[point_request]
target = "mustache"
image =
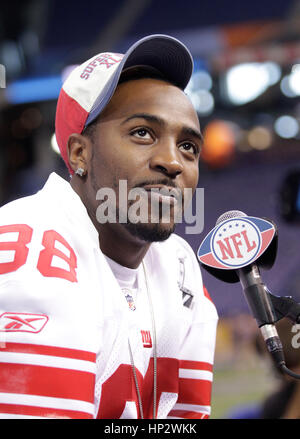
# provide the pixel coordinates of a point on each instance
(163, 181)
(167, 183)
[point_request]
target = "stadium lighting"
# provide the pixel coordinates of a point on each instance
(198, 90)
(245, 82)
(294, 80)
(203, 102)
(286, 127)
(260, 138)
(285, 87)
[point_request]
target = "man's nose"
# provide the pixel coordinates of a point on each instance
(166, 159)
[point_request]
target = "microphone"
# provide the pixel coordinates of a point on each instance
(233, 251)
(258, 299)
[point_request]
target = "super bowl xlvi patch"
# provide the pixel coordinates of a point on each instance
(187, 295)
(236, 242)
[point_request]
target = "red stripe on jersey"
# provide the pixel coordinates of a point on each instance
(55, 351)
(192, 391)
(47, 381)
(196, 365)
(188, 415)
(15, 409)
(206, 293)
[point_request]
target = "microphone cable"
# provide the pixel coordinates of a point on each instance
(289, 372)
(275, 349)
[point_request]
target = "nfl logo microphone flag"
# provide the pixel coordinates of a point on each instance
(236, 243)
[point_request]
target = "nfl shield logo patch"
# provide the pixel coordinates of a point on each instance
(129, 299)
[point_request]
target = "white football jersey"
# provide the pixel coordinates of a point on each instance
(66, 325)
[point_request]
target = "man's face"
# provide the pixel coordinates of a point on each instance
(148, 136)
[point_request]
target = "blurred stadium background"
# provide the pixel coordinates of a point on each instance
(246, 89)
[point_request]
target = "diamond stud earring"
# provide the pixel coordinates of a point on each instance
(80, 172)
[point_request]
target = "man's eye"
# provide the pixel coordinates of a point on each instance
(189, 147)
(141, 133)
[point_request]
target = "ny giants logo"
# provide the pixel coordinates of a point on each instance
(106, 59)
(146, 339)
(22, 322)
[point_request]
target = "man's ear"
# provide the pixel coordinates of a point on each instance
(79, 151)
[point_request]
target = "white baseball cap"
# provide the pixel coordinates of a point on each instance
(91, 85)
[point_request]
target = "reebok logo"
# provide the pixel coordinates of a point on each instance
(22, 322)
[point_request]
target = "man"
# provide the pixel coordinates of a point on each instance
(103, 317)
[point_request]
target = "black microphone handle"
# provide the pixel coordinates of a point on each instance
(262, 309)
(256, 295)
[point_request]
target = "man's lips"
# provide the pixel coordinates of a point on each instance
(165, 192)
